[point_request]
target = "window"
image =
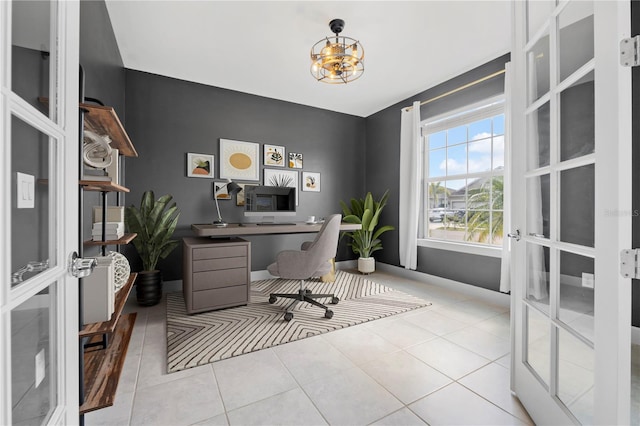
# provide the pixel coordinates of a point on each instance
(464, 175)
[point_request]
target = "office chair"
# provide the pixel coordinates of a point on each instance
(312, 260)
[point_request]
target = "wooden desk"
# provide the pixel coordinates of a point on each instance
(239, 229)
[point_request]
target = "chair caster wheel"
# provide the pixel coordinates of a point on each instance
(307, 291)
(272, 299)
(288, 316)
(334, 301)
(328, 314)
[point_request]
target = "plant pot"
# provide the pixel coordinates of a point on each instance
(149, 288)
(366, 265)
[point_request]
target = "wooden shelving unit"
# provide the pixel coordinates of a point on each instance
(126, 239)
(102, 186)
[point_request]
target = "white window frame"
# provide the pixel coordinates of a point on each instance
(477, 111)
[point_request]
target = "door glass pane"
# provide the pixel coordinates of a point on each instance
(538, 276)
(33, 349)
(635, 384)
(576, 293)
(538, 69)
(31, 212)
(575, 37)
(537, 15)
(577, 205)
(538, 137)
(577, 118)
(31, 64)
(538, 198)
(575, 376)
(538, 343)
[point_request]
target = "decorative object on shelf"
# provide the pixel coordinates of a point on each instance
(121, 269)
(240, 200)
(311, 181)
(283, 178)
(113, 169)
(200, 165)
(98, 292)
(96, 151)
(365, 241)
(239, 160)
(338, 59)
(273, 155)
(295, 160)
(229, 188)
(154, 222)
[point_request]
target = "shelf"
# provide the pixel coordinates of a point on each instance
(103, 367)
(102, 186)
(98, 328)
(126, 239)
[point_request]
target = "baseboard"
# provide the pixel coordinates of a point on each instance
(495, 297)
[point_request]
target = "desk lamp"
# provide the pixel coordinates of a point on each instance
(232, 188)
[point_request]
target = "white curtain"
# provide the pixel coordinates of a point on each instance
(410, 183)
(505, 270)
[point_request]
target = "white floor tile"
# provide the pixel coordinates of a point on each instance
(118, 414)
(360, 344)
(448, 358)
(403, 417)
(480, 342)
(289, 408)
(219, 420)
(436, 323)
(401, 333)
(351, 398)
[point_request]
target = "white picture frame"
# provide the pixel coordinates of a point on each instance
(200, 165)
(274, 155)
(239, 160)
(287, 178)
(311, 181)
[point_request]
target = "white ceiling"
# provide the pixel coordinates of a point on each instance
(262, 47)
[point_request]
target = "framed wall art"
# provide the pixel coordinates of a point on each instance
(289, 178)
(200, 165)
(239, 160)
(311, 181)
(274, 155)
(295, 160)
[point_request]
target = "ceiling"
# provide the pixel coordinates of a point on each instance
(262, 47)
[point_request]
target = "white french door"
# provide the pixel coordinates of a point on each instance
(572, 204)
(39, 212)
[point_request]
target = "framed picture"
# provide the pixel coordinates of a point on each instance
(239, 160)
(200, 165)
(274, 177)
(273, 155)
(222, 195)
(240, 200)
(311, 181)
(295, 160)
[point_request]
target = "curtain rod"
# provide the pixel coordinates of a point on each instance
(451, 92)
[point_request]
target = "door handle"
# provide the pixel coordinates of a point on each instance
(515, 235)
(31, 266)
(79, 267)
(533, 234)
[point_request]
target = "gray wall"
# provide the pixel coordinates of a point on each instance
(383, 155)
(168, 118)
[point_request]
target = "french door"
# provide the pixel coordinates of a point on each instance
(39, 212)
(572, 205)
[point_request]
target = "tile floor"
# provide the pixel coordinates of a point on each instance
(444, 364)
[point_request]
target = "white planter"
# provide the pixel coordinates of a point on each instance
(366, 265)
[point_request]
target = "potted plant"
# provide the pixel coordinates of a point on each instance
(365, 241)
(154, 222)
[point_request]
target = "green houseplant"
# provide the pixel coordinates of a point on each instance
(154, 222)
(364, 242)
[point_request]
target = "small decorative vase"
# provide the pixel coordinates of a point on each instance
(366, 265)
(149, 288)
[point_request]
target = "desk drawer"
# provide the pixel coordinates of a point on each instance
(219, 252)
(220, 297)
(218, 264)
(215, 279)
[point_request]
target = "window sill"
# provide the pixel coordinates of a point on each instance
(476, 249)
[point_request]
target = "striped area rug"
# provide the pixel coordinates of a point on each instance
(199, 339)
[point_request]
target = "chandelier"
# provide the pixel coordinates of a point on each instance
(338, 59)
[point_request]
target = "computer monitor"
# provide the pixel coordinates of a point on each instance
(269, 202)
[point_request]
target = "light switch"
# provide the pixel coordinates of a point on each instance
(26, 191)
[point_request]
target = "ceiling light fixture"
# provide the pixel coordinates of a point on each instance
(338, 59)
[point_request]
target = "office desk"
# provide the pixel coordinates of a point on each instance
(239, 229)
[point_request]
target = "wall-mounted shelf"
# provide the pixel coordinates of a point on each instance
(102, 186)
(126, 239)
(103, 120)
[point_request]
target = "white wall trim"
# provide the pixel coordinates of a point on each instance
(491, 296)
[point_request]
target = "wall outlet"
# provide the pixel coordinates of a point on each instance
(26, 191)
(588, 280)
(40, 367)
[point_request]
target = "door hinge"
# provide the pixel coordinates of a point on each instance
(630, 51)
(629, 263)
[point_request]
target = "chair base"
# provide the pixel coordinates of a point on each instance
(304, 295)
